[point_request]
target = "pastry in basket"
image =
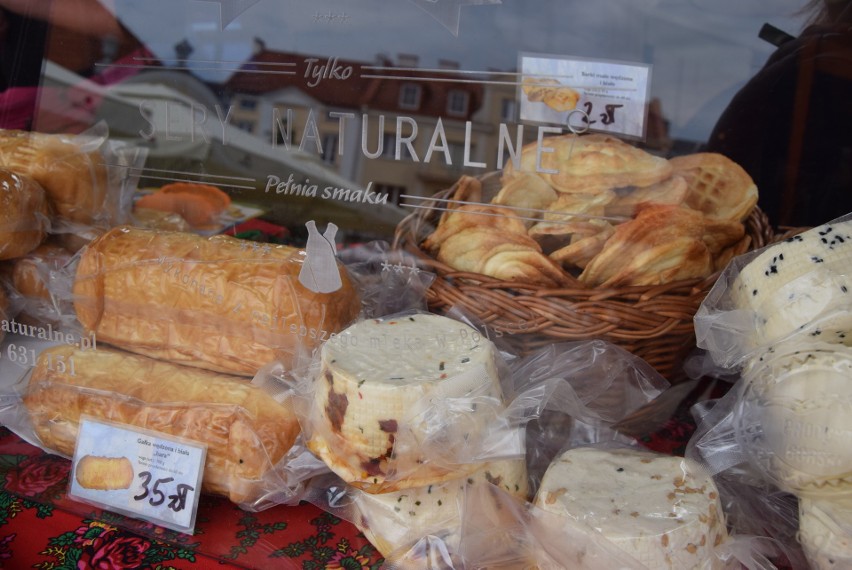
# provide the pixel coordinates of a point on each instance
(527, 195)
(583, 248)
(672, 190)
(475, 215)
(661, 244)
(75, 180)
(573, 214)
(211, 302)
(507, 256)
(24, 215)
(467, 190)
(718, 186)
(591, 163)
(245, 429)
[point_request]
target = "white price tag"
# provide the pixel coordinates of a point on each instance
(139, 473)
(585, 94)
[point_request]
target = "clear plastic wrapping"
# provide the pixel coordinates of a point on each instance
(24, 214)
(799, 287)
(218, 303)
(253, 457)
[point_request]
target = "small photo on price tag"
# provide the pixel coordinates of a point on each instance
(584, 94)
(139, 473)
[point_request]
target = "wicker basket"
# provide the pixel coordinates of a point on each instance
(653, 322)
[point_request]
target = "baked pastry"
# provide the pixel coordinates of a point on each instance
(246, 431)
(590, 163)
(367, 422)
(628, 200)
(199, 204)
(104, 473)
(75, 179)
(391, 521)
(215, 303)
(662, 510)
(661, 244)
(24, 215)
(527, 195)
(718, 186)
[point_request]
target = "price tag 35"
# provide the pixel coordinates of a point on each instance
(148, 475)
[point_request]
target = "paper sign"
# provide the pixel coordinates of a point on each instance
(139, 473)
(585, 94)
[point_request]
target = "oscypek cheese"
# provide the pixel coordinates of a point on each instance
(659, 509)
(793, 417)
(801, 284)
(394, 392)
(825, 532)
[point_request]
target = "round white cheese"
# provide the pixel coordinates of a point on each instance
(793, 419)
(825, 532)
(661, 510)
(391, 521)
(800, 284)
(396, 396)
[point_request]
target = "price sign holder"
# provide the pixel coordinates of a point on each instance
(139, 473)
(585, 94)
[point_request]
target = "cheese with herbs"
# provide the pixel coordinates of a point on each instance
(661, 510)
(800, 284)
(393, 391)
(399, 519)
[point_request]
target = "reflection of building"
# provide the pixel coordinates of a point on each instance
(375, 123)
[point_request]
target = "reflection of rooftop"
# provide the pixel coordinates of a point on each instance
(170, 125)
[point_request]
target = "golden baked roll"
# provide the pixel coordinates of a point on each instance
(30, 273)
(104, 473)
(75, 179)
(591, 163)
(245, 429)
(24, 215)
(218, 303)
(718, 186)
(661, 244)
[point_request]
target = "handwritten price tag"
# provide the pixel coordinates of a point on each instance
(585, 94)
(139, 473)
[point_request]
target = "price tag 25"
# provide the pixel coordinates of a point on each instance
(148, 475)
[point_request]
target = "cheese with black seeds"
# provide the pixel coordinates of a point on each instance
(802, 284)
(379, 395)
(659, 509)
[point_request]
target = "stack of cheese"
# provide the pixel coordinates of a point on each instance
(791, 417)
(661, 510)
(402, 407)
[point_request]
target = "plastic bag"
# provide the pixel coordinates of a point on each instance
(253, 455)
(796, 288)
(24, 216)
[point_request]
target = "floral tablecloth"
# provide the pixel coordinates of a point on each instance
(41, 528)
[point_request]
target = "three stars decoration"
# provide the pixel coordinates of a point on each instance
(447, 12)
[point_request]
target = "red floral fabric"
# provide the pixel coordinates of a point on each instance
(41, 528)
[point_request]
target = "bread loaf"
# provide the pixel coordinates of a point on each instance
(246, 431)
(75, 179)
(24, 215)
(218, 303)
